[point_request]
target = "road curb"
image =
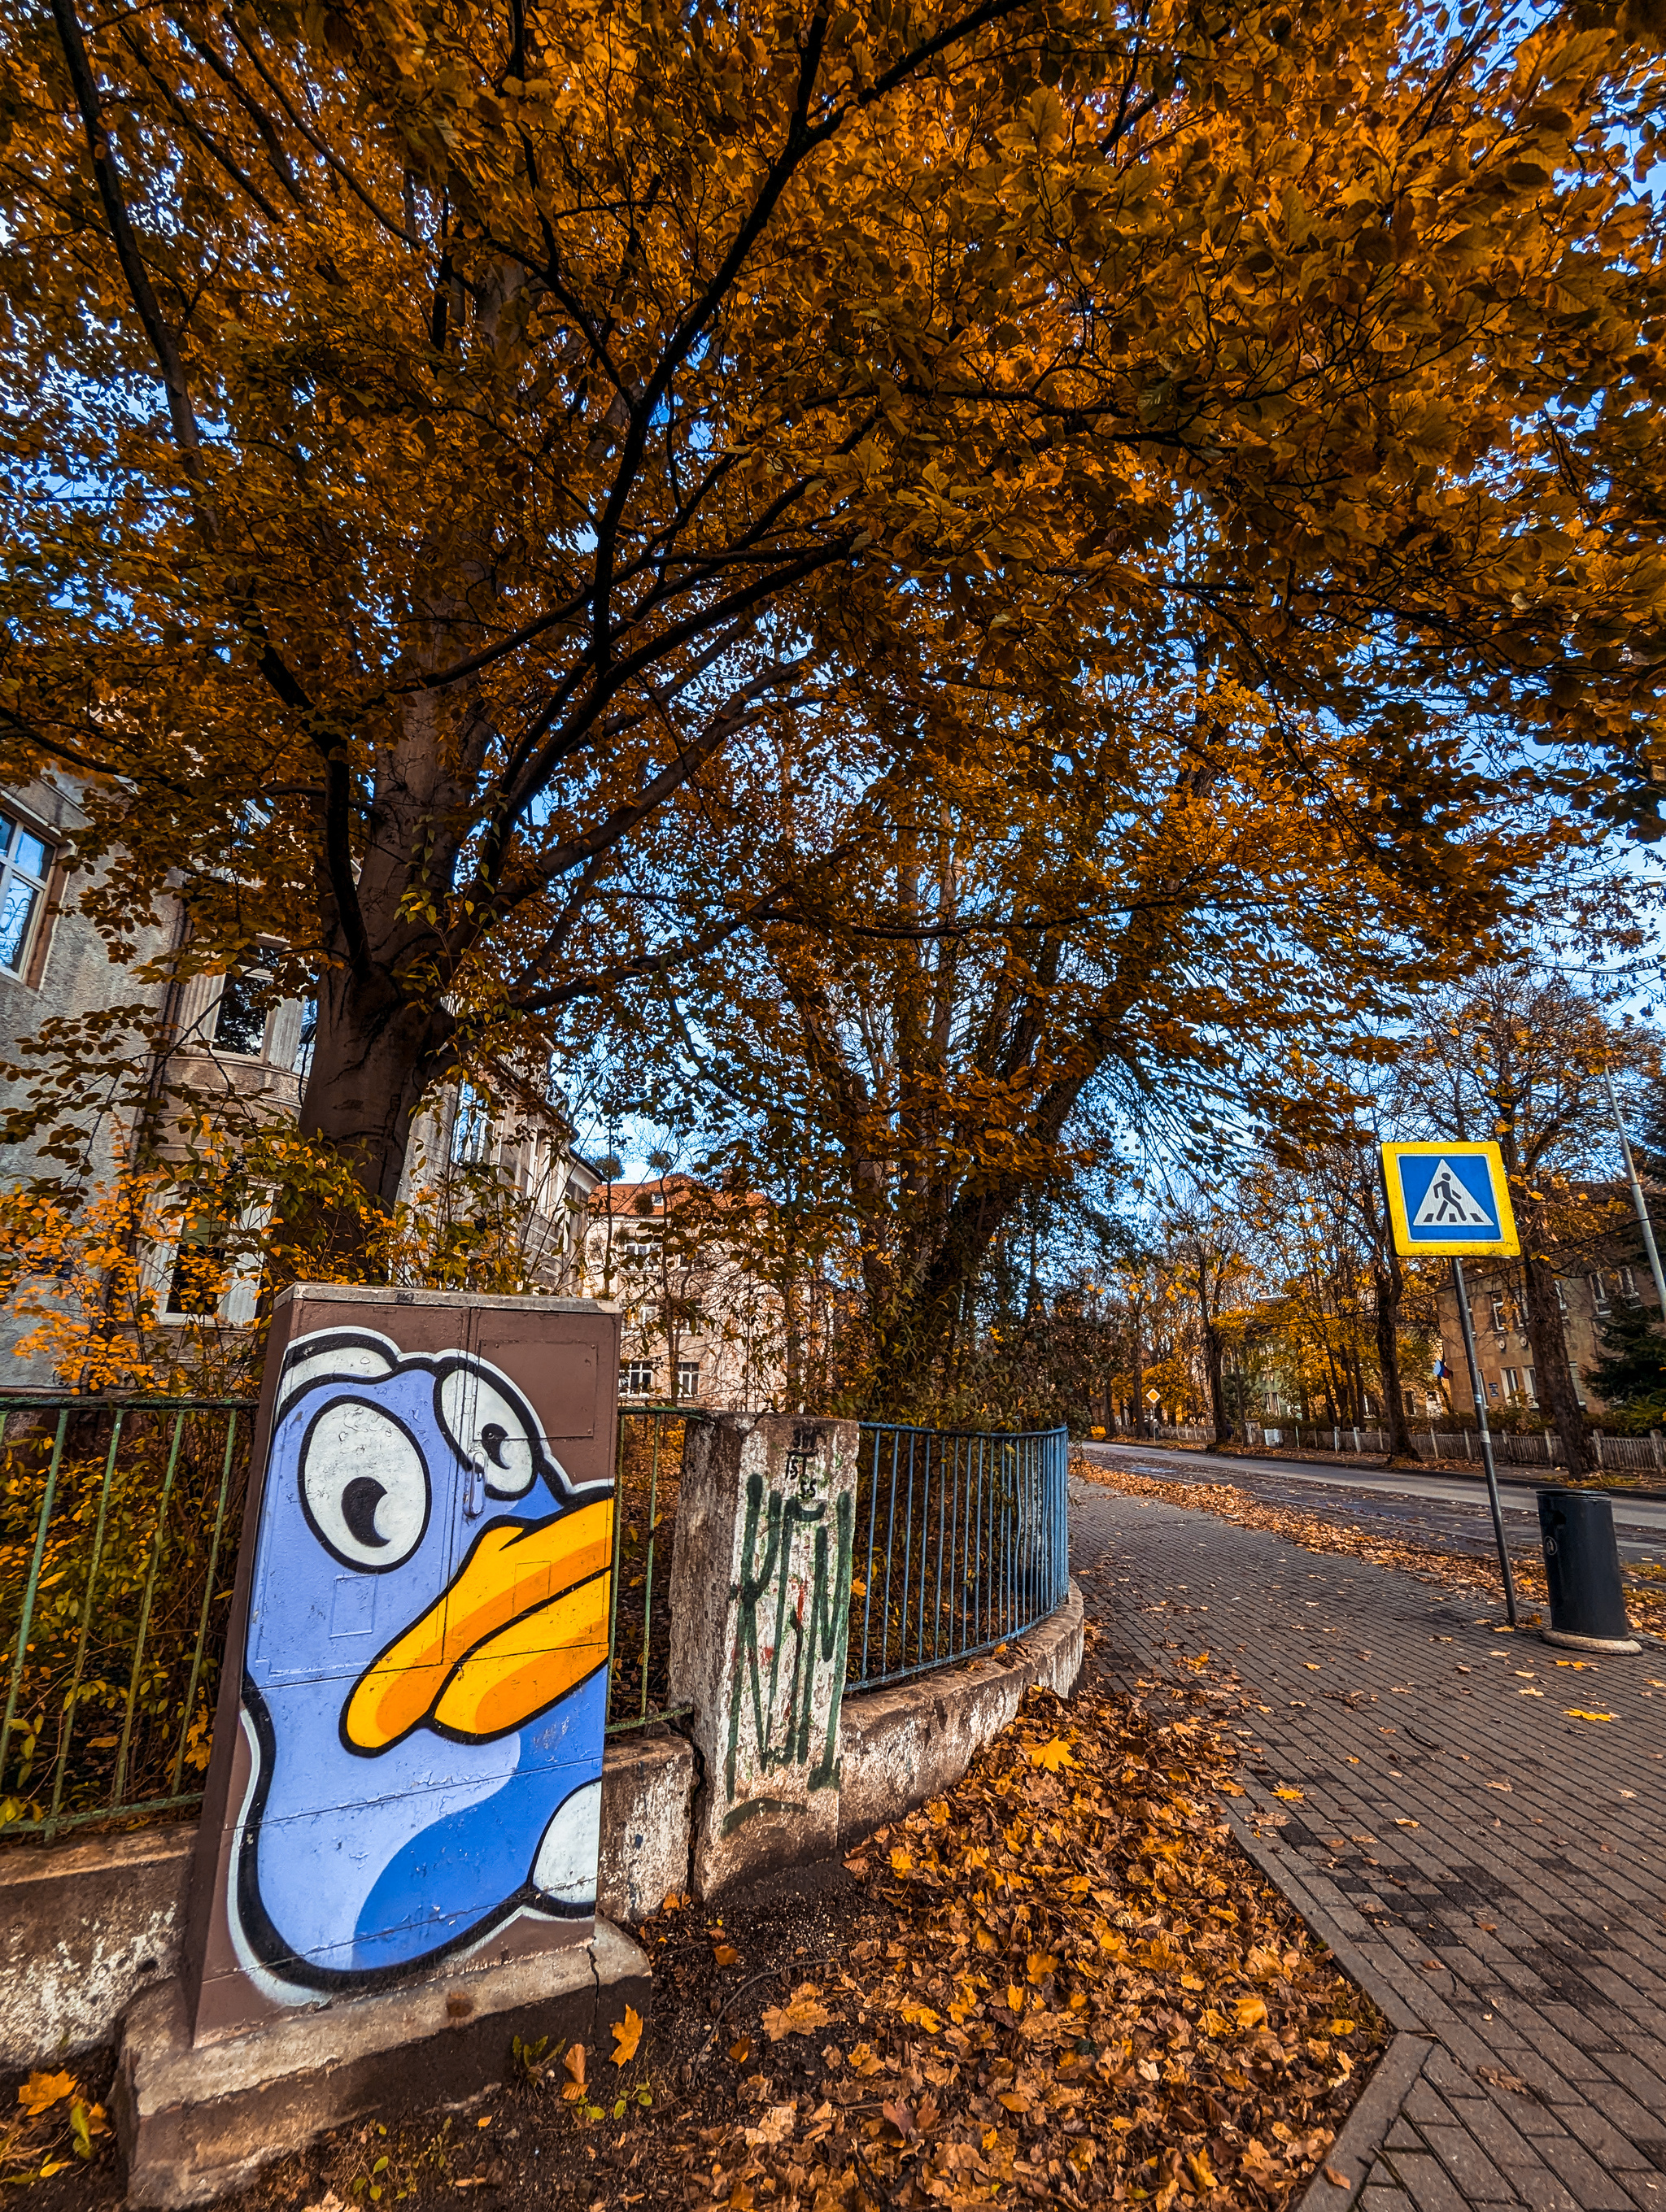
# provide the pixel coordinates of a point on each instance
(1458, 1471)
(1395, 2073)
(1354, 2152)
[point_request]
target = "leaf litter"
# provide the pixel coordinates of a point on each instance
(1062, 1983)
(1077, 1990)
(1646, 1601)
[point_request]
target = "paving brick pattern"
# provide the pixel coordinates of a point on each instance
(1498, 1867)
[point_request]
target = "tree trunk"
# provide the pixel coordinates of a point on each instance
(1212, 1366)
(375, 1054)
(1553, 1370)
(1390, 1290)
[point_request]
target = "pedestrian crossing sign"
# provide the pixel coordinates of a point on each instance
(1448, 1198)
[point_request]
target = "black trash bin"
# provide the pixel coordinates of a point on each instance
(1582, 1567)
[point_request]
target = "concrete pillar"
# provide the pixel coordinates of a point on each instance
(760, 1604)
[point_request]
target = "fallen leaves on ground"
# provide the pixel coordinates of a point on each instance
(1090, 1997)
(804, 2014)
(55, 2123)
(627, 2034)
(1646, 1603)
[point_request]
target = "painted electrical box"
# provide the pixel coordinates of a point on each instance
(406, 1773)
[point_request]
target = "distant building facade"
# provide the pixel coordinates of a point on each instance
(698, 1324)
(1607, 1273)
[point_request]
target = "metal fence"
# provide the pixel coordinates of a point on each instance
(119, 1521)
(961, 1544)
(119, 1524)
(1511, 1447)
(118, 1527)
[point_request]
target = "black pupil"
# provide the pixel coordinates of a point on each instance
(495, 1436)
(359, 1502)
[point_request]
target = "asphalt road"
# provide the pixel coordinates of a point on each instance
(1445, 1509)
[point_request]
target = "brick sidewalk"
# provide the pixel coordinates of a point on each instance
(1495, 1869)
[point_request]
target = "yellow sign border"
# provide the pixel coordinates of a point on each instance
(1506, 1246)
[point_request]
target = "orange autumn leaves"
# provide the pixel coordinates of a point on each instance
(53, 2122)
(1089, 1995)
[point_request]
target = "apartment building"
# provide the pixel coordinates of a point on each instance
(698, 1324)
(1610, 1270)
(244, 1059)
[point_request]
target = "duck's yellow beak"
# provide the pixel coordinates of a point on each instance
(525, 1619)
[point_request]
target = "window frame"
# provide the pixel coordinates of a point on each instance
(629, 1371)
(234, 979)
(25, 968)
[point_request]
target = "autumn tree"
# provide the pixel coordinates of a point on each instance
(442, 443)
(1153, 919)
(1523, 1056)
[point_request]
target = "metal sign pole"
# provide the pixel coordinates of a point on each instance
(1638, 1199)
(1480, 1396)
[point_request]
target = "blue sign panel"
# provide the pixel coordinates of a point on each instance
(1448, 1198)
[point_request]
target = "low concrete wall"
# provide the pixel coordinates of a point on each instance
(902, 1746)
(85, 1927)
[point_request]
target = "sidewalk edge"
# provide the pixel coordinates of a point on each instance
(1353, 2153)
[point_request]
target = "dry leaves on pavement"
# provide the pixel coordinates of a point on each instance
(1645, 1601)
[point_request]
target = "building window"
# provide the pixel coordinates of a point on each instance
(239, 1019)
(470, 1127)
(23, 864)
(636, 1378)
(1532, 1387)
(302, 1062)
(1561, 1300)
(1628, 1283)
(1512, 1382)
(198, 1281)
(1599, 1293)
(688, 1378)
(1499, 1320)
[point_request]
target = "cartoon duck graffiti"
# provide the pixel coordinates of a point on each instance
(425, 1682)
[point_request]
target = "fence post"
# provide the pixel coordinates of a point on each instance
(1596, 1438)
(760, 1604)
(1356, 1440)
(1654, 1445)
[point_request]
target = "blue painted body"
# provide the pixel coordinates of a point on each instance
(354, 1868)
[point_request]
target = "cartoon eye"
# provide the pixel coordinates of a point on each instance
(363, 1486)
(490, 1428)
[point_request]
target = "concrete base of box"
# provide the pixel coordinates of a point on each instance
(196, 2122)
(87, 1927)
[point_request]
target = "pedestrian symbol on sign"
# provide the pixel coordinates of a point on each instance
(1448, 1197)
(1449, 1201)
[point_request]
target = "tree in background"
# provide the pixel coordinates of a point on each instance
(1630, 1377)
(1207, 1267)
(1151, 919)
(1521, 1056)
(442, 446)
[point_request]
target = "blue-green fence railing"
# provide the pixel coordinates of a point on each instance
(120, 1523)
(961, 1544)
